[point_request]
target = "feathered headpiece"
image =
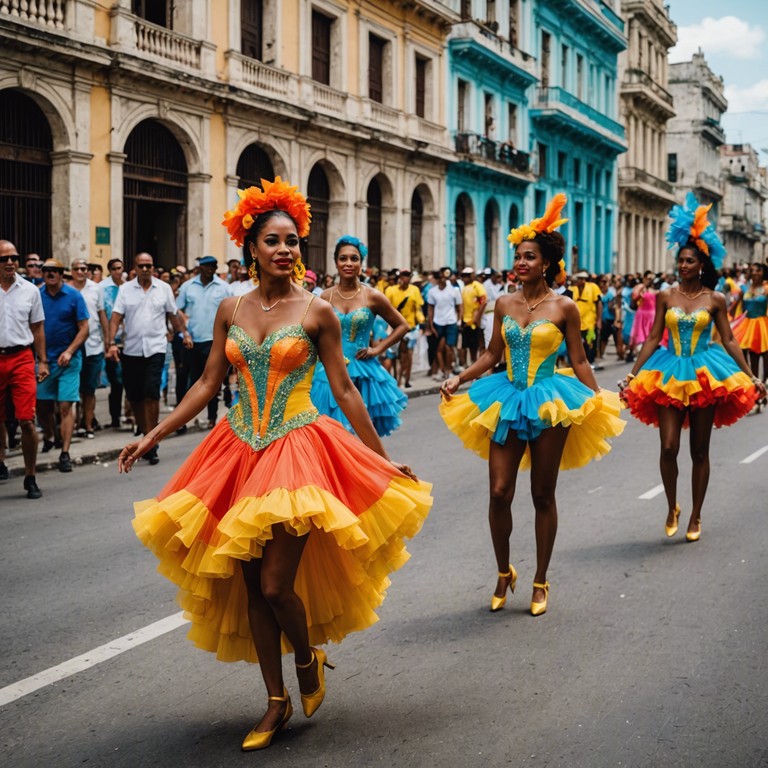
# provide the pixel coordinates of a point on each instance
(355, 242)
(549, 222)
(275, 195)
(690, 221)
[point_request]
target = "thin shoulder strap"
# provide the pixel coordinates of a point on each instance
(237, 304)
(309, 304)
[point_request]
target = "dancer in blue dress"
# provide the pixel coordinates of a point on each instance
(358, 306)
(531, 415)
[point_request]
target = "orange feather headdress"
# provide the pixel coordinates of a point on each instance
(549, 222)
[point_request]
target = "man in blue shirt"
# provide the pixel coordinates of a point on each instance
(66, 329)
(110, 286)
(199, 300)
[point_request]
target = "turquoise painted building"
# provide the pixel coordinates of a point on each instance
(533, 110)
(574, 130)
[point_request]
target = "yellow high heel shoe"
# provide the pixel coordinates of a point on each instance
(310, 702)
(497, 603)
(538, 608)
(262, 739)
(694, 535)
(671, 530)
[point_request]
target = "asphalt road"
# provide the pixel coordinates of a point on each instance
(653, 651)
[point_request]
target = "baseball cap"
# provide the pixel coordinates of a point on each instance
(208, 260)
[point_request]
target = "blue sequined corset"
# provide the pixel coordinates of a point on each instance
(755, 306)
(274, 378)
(531, 351)
(356, 327)
(689, 332)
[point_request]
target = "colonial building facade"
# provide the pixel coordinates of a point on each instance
(645, 195)
(129, 125)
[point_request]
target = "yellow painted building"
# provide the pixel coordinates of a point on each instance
(128, 126)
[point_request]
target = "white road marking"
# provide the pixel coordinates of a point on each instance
(653, 493)
(91, 658)
(595, 490)
(755, 455)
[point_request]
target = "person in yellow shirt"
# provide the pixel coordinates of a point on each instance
(473, 298)
(407, 300)
(589, 300)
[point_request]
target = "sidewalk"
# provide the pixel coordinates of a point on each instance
(107, 443)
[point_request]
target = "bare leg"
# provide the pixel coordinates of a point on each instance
(151, 413)
(274, 608)
(546, 452)
(440, 355)
(89, 406)
(754, 362)
(67, 413)
(137, 408)
(701, 421)
(670, 424)
(503, 461)
(29, 446)
(45, 414)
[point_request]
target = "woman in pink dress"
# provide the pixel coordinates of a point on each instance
(644, 297)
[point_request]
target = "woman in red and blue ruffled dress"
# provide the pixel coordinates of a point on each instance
(532, 415)
(281, 528)
(692, 382)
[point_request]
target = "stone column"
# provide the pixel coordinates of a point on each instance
(70, 210)
(198, 207)
(116, 192)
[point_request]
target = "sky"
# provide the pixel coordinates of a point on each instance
(734, 38)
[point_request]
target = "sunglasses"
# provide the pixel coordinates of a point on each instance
(6, 259)
(145, 266)
(53, 271)
(79, 269)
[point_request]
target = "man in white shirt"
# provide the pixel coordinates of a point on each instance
(145, 304)
(443, 316)
(98, 328)
(21, 330)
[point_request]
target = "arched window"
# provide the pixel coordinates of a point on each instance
(25, 174)
(253, 166)
(491, 221)
(463, 219)
(417, 228)
(155, 195)
(373, 199)
(319, 198)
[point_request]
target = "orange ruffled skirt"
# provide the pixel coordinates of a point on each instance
(219, 509)
(751, 333)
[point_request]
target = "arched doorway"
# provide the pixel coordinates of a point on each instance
(373, 198)
(514, 216)
(155, 195)
(319, 198)
(253, 166)
(25, 174)
(417, 229)
(463, 217)
(491, 222)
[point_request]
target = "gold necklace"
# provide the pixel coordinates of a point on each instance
(531, 308)
(688, 295)
(271, 306)
(349, 298)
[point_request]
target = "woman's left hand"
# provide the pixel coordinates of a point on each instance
(760, 387)
(405, 469)
(133, 452)
(366, 353)
(449, 386)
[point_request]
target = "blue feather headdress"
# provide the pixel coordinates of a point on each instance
(355, 242)
(689, 222)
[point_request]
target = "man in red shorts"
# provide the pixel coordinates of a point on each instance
(21, 330)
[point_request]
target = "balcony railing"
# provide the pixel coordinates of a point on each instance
(263, 77)
(47, 13)
(384, 116)
(639, 176)
(329, 99)
(558, 96)
(707, 181)
(166, 44)
(475, 145)
(638, 77)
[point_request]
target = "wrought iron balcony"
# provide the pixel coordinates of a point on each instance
(638, 81)
(476, 145)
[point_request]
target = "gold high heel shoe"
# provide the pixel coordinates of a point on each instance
(497, 603)
(262, 739)
(671, 530)
(694, 535)
(538, 608)
(310, 702)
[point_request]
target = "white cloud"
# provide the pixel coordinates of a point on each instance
(752, 98)
(729, 36)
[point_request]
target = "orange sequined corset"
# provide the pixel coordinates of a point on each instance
(274, 379)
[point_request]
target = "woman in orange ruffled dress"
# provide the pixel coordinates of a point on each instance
(751, 328)
(531, 415)
(692, 382)
(281, 528)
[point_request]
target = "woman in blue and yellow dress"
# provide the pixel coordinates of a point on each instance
(357, 307)
(281, 528)
(750, 329)
(692, 382)
(531, 415)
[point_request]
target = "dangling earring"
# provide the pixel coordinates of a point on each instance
(253, 272)
(299, 270)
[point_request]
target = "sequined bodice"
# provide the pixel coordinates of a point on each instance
(274, 379)
(531, 351)
(756, 306)
(356, 327)
(688, 331)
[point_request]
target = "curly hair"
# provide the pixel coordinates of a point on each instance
(708, 274)
(552, 246)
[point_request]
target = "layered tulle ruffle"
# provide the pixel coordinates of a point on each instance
(493, 408)
(381, 395)
(751, 333)
(220, 508)
(707, 378)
